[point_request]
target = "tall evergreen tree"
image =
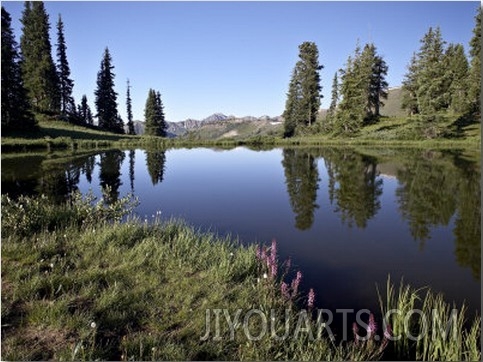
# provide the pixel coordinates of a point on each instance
(84, 112)
(106, 97)
(409, 98)
(163, 125)
(334, 94)
(432, 93)
(333, 104)
(303, 98)
(16, 113)
(378, 86)
(291, 114)
(425, 87)
(65, 83)
(130, 123)
(456, 65)
(354, 93)
(38, 68)
(154, 115)
(474, 78)
(363, 85)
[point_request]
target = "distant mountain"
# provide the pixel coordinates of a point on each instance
(218, 122)
(215, 117)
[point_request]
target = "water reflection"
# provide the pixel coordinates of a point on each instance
(468, 221)
(132, 159)
(427, 194)
(155, 162)
(110, 173)
(354, 185)
(301, 178)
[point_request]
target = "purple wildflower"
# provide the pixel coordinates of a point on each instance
(388, 332)
(273, 252)
(311, 298)
(355, 330)
(284, 290)
(273, 269)
(263, 255)
(372, 327)
(288, 264)
(258, 253)
(296, 282)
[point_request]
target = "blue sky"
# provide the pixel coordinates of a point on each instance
(235, 57)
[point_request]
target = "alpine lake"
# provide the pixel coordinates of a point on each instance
(346, 217)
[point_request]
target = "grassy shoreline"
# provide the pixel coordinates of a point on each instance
(57, 135)
(78, 283)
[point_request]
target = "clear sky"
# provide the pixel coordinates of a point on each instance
(235, 57)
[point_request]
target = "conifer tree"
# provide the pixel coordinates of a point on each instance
(409, 88)
(378, 86)
(431, 92)
(333, 104)
(16, 113)
(352, 108)
(163, 125)
(363, 85)
(130, 123)
(303, 98)
(456, 65)
(334, 94)
(474, 77)
(154, 115)
(106, 97)
(291, 114)
(38, 68)
(425, 87)
(84, 112)
(67, 105)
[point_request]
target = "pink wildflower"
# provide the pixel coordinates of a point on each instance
(372, 327)
(311, 298)
(296, 282)
(284, 290)
(258, 253)
(355, 330)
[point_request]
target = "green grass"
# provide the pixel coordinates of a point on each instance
(435, 332)
(78, 283)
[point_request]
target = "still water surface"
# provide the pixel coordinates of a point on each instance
(346, 219)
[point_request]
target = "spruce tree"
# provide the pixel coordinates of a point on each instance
(130, 123)
(409, 88)
(352, 109)
(106, 97)
(456, 65)
(163, 125)
(65, 83)
(291, 114)
(363, 85)
(474, 77)
(378, 86)
(303, 98)
(16, 113)
(84, 112)
(328, 126)
(154, 115)
(38, 68)
(334, 94)
(431, 91)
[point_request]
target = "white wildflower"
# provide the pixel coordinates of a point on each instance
(265, 275)
(93, 325)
